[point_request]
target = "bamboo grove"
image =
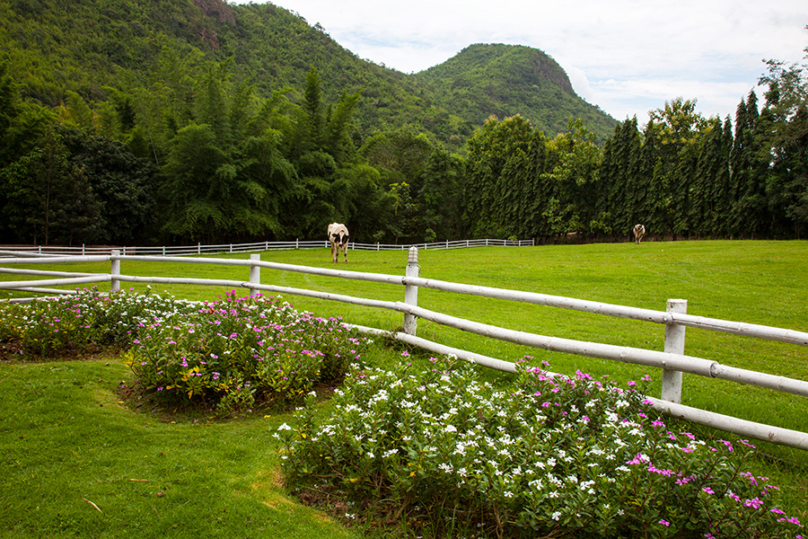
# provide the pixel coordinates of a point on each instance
(193, 154)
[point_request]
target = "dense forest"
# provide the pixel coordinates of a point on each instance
(125, 122)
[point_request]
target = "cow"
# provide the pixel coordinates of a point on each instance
(639, 232)
(338, 236)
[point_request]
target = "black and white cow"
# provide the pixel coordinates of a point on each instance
(639, 232)
(338, 236)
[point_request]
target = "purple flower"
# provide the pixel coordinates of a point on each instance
(664, 522)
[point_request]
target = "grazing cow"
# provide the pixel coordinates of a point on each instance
(338, 236)
(639, 232)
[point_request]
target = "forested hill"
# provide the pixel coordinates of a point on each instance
(89, 49)
(504, 80)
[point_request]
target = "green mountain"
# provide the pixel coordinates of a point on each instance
(57, 50)
(505, 80)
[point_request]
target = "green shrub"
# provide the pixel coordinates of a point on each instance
(237, 352)
(230, 353)
(88, 321)
(551, 457)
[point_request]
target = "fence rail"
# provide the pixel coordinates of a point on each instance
(672, 360)
(199, 249)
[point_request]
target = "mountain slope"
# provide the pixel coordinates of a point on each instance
(83, 46)
(504, 80)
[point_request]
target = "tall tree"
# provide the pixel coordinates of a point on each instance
(750, 216)
(489, 150)
(785, 136)
(576, 175)
(439, 198)
(678, 126)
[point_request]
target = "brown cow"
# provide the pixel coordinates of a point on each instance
(639, 232)
(338, 236)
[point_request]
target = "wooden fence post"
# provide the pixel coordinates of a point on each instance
(411, 291)
(674, 344)
(255, 275)
(115, 269)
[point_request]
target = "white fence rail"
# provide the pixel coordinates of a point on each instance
(672, 360)
(199, 249)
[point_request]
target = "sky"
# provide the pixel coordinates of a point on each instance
(626, 56)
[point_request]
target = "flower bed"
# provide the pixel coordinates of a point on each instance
(231, 353)
(242, 351)
(88, 321)
(551, 457)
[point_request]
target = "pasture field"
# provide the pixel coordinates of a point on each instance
(68, 439)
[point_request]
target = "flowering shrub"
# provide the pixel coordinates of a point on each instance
(230, 352)
(238, 350)
(85, 322)
(552, 457)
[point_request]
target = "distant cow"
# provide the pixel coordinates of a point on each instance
(639, 232)
(338, 236)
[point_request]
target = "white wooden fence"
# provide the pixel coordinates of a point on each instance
(672, 360)
(199, 249)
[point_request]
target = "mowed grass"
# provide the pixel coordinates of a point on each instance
(78, 462)
(66, 440)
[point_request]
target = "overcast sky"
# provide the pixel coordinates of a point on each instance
(626, 56)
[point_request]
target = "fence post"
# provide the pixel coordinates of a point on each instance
(674, 344)
(255, 275)
(411, 291)
(115, 269)
(199, 248)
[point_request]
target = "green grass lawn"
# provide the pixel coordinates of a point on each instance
(68, 439)
(76, 461)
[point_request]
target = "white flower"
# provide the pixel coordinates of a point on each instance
(284, 427)
(557, 515)
(451, 428)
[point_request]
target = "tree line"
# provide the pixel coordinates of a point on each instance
(193, 153)
(681, 175)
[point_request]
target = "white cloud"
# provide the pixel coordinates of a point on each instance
(626, 56)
